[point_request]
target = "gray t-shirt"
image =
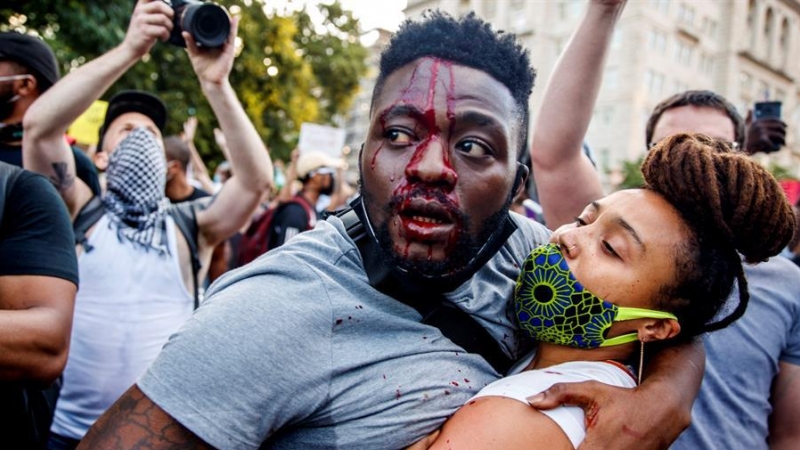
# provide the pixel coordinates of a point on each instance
(297, 350)
(733, 406)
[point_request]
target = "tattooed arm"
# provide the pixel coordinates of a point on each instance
(134, 421)
(44, 148)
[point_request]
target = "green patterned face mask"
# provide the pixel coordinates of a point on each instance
(552, 306)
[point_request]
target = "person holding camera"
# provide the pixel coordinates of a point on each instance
(136, 266)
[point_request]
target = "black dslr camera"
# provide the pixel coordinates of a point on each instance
(208, 23)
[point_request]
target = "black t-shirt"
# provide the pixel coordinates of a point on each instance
(35, 239)
(84, 167)
(196, 193)
(36, 233)
(290, 219)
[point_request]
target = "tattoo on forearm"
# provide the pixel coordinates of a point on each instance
(135, 422)
(62, 179)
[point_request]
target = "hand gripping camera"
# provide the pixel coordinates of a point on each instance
(208, 23)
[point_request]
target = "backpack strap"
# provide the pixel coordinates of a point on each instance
(185, 218)
(87, 217)
(454, 323)
(183, 215)
(311, 212)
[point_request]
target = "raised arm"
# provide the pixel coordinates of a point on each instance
(199, 169)
(649, 416)
(566, 180)
(291, 174)
(45, 150)
(248, 156)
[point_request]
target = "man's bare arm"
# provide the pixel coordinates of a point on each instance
(35, 324)
(134, 421)
(652, 415)
(784, 433)
(45, 150)
(566, 180)
(249, 159)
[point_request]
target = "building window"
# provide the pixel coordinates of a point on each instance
(751, 23)
(769, 29)
(653, 82)
(686, 14)
(745, 83)
(657, 40)
(784, 43)
(683, 53)
(661, 6)
(763, 90)
(710, 28)
(706, 64)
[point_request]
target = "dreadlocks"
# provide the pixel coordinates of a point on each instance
(732, 206)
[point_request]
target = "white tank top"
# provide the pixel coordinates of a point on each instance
(129, 302)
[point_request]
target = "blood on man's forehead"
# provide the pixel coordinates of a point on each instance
(429, 77)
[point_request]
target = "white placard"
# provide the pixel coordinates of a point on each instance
(321, 138)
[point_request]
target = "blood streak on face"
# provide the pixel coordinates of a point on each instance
(442, 154)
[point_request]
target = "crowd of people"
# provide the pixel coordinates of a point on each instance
(155, 306)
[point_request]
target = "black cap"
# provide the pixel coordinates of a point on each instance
(134, 101)
(32, 53)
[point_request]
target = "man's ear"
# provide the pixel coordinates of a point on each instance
(100, 160)
(520, 178)
(172, 168)
(658, 329)
(28, 87)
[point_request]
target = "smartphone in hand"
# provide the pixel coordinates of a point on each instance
(767, 110)
(766, 133)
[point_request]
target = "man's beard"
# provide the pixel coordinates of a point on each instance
(464, 250)
(7, 101)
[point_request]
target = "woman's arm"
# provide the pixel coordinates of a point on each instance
(499, 423)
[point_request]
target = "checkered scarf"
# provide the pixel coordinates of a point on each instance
(135, 200)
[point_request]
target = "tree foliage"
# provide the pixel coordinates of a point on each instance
(289, 70)
(632, 177)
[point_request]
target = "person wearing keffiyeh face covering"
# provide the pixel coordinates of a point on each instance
(134, 199)
(135, 266)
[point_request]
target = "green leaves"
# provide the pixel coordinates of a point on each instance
(289, 70)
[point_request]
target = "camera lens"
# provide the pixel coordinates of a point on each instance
(208, 24)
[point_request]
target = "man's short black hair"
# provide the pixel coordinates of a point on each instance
(700, 99)
(470, 42)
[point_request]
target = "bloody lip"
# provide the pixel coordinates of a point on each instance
(426, 221)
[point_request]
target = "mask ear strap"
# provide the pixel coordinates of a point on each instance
(628, 313)
(621, 339)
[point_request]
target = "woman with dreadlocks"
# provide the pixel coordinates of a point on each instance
(652, 265)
